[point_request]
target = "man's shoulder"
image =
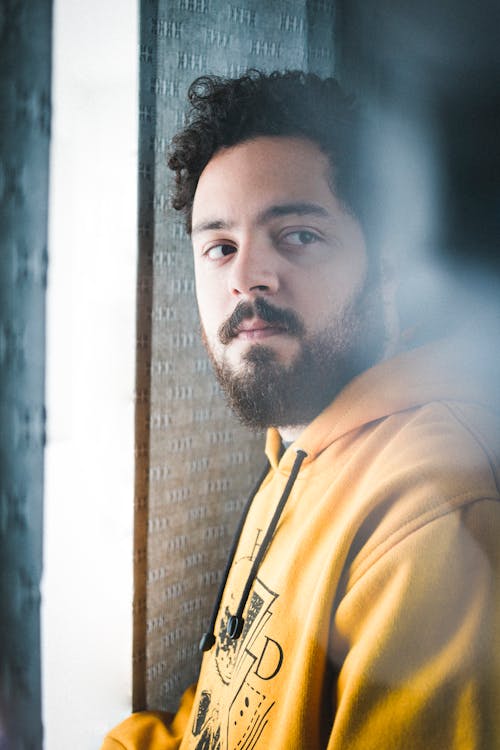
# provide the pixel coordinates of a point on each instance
(452, 445)
(436, 461)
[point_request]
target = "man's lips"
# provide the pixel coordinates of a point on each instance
(254, 329)
(251, 321)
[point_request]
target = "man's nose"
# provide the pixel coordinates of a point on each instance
(254, 270)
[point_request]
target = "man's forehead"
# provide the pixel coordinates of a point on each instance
(279, 160)
(262, 179)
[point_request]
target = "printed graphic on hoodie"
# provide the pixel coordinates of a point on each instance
(245, 667)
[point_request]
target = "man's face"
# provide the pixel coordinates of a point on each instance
(287, 312)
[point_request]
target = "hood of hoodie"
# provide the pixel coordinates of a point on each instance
(462, 368)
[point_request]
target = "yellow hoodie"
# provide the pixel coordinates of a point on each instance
(374, 620)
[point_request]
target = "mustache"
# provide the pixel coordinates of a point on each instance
(286, 319)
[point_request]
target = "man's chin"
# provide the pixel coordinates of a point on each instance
(265, 392)
(244, 358)
(289, 379)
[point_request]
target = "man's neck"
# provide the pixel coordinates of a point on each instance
(291, 433)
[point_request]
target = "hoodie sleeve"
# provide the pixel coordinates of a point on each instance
(417, 635)
(152, 730)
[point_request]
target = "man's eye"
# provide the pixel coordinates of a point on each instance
(300, 237)
(216, 252)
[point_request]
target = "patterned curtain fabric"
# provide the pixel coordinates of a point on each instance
(25, 69)
(195, 464)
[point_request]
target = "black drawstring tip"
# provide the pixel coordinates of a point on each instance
(207, 641)
(234, 626)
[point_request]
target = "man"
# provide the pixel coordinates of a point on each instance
(365, 616)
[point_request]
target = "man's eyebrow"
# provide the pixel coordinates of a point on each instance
(272, 212)
(205, 226)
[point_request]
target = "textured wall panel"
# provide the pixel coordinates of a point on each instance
(195, 464)
(25, 58)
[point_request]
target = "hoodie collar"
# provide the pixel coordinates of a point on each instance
(452, 369)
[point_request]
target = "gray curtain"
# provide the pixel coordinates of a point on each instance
(25, 69)
(195, 464)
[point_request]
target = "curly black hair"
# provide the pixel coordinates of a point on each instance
(224, 112)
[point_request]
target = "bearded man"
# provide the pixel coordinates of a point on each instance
(358, 607)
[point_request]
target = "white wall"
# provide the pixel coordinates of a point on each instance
(87, 583)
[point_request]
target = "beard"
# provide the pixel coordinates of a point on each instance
(264, 392)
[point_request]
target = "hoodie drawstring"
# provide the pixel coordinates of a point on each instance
(236, 622)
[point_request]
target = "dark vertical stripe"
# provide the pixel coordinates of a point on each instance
(146, 231)
(25, 76)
